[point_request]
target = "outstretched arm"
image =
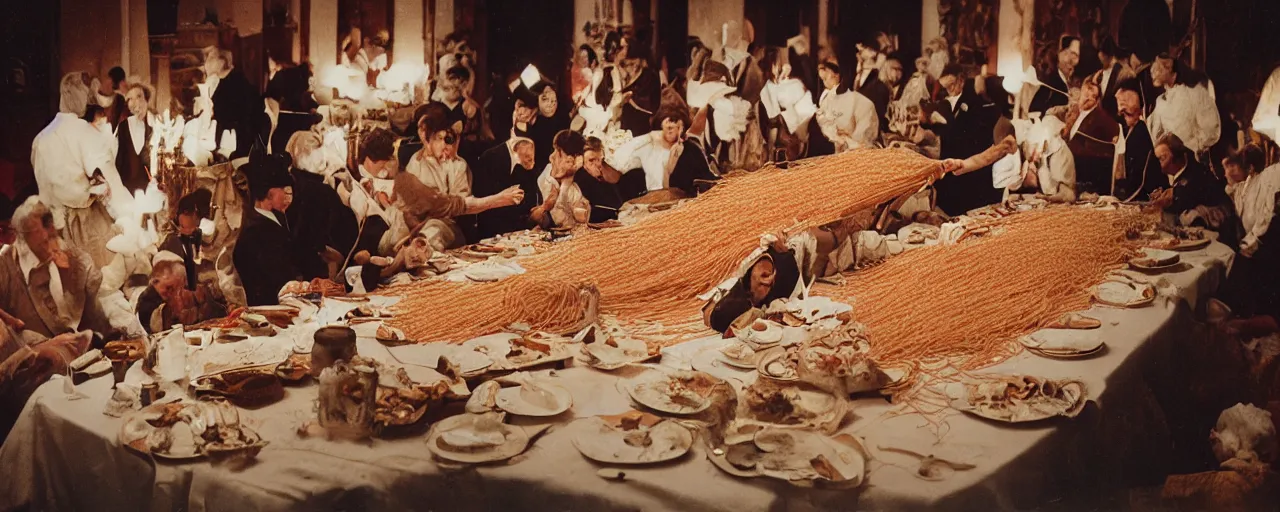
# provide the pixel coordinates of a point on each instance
(992, 154)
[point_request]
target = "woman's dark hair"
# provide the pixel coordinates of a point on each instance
(116, 75)
(835, 68)
(196, 202)
(592, 59)
(1251, 157)
(378, 146)
(92, 112)
(459, 73)
(613, 44)
(730, 307)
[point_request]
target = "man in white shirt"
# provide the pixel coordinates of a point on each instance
(1253, 190)
(846, 117)
(76, 174)
(437, 164)
(1186, 109)
(668, 161)
(564, 206)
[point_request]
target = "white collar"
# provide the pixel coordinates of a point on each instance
(1064, 78)
(27, 260)
(270, 215)
(1174, 179)
(511, 151)
(953, 100)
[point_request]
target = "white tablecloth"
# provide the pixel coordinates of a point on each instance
(64, 455)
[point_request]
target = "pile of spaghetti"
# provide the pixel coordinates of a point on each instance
(650, 273)
(968, 303)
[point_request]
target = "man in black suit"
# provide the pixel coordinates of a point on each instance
(236, 103)
(1195, 196)
(1108, 78)
(265, 255)
(1137, 172)
(318, 220)
(599, 183)
(964, 123)
(1056, 87)
(502, 166)
(867, 82)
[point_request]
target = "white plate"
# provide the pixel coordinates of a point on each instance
(598, 439)
(512, 401)
(652, 394)
(1155, 259)
(1124, 294)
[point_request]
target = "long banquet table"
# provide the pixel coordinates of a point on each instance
(64, 454)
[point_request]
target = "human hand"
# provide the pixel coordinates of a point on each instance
(554, 195)
(674, 158)
(1249, 247)
(11, 320)
(470, 107)
(951, 165)
(512, 195)
(1161, 198)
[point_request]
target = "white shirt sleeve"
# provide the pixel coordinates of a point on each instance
(628, 157)
(866, 127)
(1263, 207)
(1269, 103)
(1208, 121)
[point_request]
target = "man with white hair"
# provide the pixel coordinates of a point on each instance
(167, 301)
(49, 288)
(76, 173)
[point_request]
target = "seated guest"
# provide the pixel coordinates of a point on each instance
(437, 164)
(167, 301)
(552, 117)
(1194, 196)
(50, 288)
(427, 211)
(1050, 168)
(24, 366)
(475, 134)
(669, 162)
(775, 270)
(1137, 170)
(564, 204)
(1252, 187)
(1250, 286)
(599, 182)
(846, 117)
(188, 241)
(319, 221)
(1090, 135)
(265, 255)
(507, 165)
(371, 197)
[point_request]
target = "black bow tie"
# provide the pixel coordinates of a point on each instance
(192, 239)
